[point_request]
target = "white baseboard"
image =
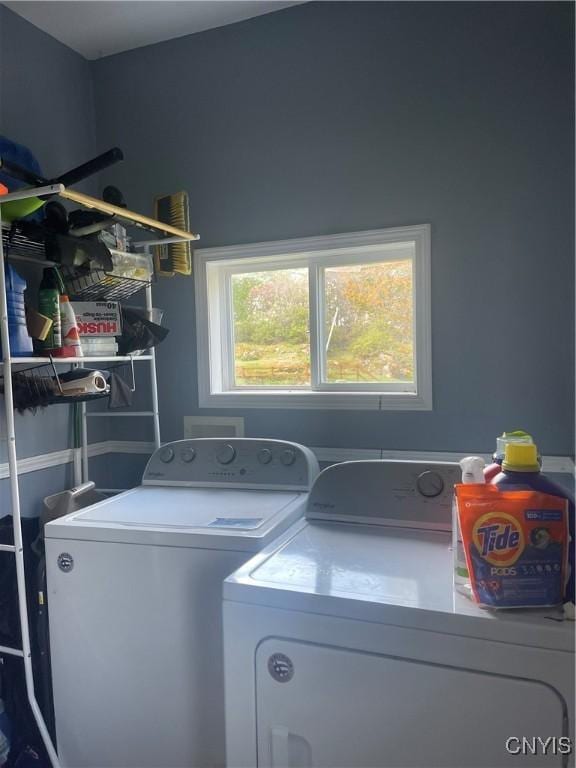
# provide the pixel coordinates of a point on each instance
(558, 464)
(130, 446)
(58, 458)
(42, 461)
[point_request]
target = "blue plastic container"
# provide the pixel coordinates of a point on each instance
(20, 341)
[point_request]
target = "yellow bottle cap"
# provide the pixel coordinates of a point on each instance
(521, 457)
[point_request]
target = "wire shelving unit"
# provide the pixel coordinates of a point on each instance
(81, 468)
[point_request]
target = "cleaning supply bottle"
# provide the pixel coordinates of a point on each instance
(521, 471)
(472, 472)
(49, 305)
(519, 436)
(71, 346)
(20, 341)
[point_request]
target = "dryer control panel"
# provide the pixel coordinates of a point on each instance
(240, 462)
(411, 494)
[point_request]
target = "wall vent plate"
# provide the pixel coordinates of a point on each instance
(213, 426)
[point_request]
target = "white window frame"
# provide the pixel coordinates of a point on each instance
(215, 344)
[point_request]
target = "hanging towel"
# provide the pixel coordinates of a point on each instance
(120, 392)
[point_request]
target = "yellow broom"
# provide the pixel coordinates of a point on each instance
(173, 257)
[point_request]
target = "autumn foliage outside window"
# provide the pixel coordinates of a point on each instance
(367, 317)
(368, 322)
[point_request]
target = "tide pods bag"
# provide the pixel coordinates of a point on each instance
(516, 545)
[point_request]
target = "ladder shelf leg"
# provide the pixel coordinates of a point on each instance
(153, 377)
(26, 652)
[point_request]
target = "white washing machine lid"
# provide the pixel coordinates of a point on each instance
(387, 575)
(216, 518)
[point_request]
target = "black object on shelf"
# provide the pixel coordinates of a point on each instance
(56, 217)
(73, 176)
(138, 332)
(113, 196)
(78, 252)
(42, 385)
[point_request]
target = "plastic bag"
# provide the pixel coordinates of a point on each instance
(516, 545)
(138, 332)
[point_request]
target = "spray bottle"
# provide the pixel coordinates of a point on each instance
(71, 346)
(472, 472)
(49, 306)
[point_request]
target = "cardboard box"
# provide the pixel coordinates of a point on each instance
(98, 318)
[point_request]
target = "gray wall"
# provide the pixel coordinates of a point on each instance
(335, 117)
(46, 103)
(46, 95)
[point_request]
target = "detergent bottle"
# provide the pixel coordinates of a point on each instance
(519, 436)
(521, 472)
(20, 341)
(472, 472)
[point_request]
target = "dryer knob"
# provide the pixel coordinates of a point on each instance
(187, 455)
(166, 455)
(430, 484)
(226, 454)
(288, 457)
(264, 456)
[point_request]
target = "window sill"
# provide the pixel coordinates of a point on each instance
(298, 399)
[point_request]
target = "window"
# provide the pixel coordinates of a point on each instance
(322, 322)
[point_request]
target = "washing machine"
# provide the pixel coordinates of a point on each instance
(135, 599)
(346, 645)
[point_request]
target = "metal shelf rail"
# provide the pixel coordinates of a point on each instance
(81, 455)
(83, 475)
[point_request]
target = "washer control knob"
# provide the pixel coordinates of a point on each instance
(166, 455)
(226, 454)
(288, 457)
(430, 484)
(187, 455)
(264, 456)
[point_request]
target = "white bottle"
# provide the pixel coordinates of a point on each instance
(71, 346)
(472, 472)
